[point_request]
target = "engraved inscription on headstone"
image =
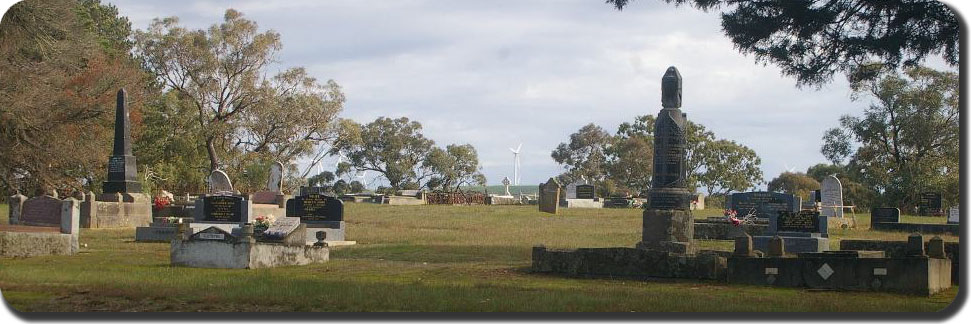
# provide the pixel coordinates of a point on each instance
(930, 204)
(223, 209)
(316, 208)
(885, 215)
(764, 204)
(953, 215)
(585, 192)
(803, 221)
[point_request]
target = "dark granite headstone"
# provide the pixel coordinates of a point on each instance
(585, 192)
(122, 172)
(885, 215)
(930, 204)
(228, 209)
(764, 204)
(806, 221)
(41, 211)
(316, 208)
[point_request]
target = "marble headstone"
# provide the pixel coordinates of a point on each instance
(831, 197)
(953, 215)
(275, 180)
(219, 183)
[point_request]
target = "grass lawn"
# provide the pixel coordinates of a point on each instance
(412, 258)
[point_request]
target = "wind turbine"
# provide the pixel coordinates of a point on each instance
(516, 164)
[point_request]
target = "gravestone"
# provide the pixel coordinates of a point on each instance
(316, 207)
(122, 171)
(281, 229)
(801, 230)
(41, 211)
(803, 221)
(273, 194)
(667, 223)
(953, 215)
(885, 215)
(506, 186)
(223, 209)
(15, 205)
(764, 204)
(320, 213)
(219, 183)
(549, 196)
(930, 204)
(831, 197)
(585, 191)
(275, 180)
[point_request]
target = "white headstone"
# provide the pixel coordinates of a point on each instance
(219, 182)
(953, 215)
(831, 197)
(506, 186)
(275, 181)
(572, 189)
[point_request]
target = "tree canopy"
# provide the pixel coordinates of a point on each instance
(62, 63)
(622, 163)
(814, 39)
(907, 140)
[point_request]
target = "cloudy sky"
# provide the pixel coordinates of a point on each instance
(499, 73)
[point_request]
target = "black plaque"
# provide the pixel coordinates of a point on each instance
(228, 209)
(659, 199)
(803, 221)
(585, 192)
(930, 204)
(316, 208)
(763, 204)
(885, 215)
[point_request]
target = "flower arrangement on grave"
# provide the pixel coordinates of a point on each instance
(171, 220)
(262, 223)
(730, 215)
(160, 202)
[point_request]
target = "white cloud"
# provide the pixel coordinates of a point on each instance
(497, 73)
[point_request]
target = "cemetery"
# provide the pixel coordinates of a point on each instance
(227, 207)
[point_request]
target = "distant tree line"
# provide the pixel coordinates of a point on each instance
(200, 100)
(621, 164)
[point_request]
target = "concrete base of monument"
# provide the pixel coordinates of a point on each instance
(920, 228)
(794, 244)
(502, 200)
(630, 262)
(116, 210)
(29, 241)
(162, 229)
(334, 230)
(582, 203)
(844, 270)
(243, 255)
(666, 229)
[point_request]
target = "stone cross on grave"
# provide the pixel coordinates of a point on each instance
(122, 172)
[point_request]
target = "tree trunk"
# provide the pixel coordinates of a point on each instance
(211, 150)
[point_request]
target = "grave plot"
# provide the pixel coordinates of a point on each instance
(667, 248)
(889, 219)
(913, 272)
(213, 247)
(42, 225)
(122, 203)
(322, 215)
